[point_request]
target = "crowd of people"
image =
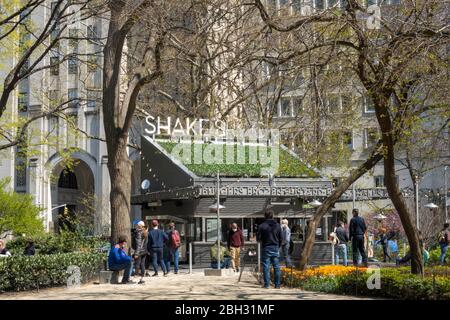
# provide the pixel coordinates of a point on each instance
(360, 240)
(276, 246)
(159, 245)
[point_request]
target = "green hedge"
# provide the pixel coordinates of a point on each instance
(65, 242)
(20, 273)
(289, 166)
(396, 283)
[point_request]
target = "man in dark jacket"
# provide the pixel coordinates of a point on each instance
(269, 234)
(156, 239)
(341, 247)
(357, 230)
(119, 260)
(235, 242)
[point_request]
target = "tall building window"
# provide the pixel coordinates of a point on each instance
(73, 38)
(333, 103)
(297, 5)
(379, 181)
(72, 65)
(54, 125)
(319, 4)
(54, 34)
(91, 97)
(92, 63)
(297, 105)
(54, 66)
(53, 98)
(22, 102)
(20, 169)
(348, 139)
(55, 8)
(370, 137)
(333, 3)
(285, 107)
(347, 103)
(91, 32)
(369, 106)
(72, 97)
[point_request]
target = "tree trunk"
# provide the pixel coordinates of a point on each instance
(331, 199)
(119, 167)
(400, 205)
(382, 101)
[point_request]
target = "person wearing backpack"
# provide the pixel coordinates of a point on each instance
(383, 240)
(174, 244)
(444, 241)
(341, 243)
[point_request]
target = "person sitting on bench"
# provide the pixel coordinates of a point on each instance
(225, 257)
(118, 260)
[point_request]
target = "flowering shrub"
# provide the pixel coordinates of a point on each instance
(396, 283)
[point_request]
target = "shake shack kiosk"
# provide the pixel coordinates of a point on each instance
(181, 187)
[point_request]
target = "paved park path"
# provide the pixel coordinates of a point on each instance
(183, 286)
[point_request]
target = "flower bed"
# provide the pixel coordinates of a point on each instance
(396, 283)
(18, 273)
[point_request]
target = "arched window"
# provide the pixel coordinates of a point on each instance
(68, 180)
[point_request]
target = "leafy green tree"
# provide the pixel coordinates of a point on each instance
(18, 214)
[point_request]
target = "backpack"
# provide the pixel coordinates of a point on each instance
(334, 238)
(175, 239)
(441, 237)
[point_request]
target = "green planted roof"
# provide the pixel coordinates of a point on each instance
(289, 165)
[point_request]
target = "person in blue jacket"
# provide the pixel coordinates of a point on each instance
(119, 260)
(155, 245)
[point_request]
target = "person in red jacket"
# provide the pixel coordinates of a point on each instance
(235, 242)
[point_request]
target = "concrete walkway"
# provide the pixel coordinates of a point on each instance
(183, 286)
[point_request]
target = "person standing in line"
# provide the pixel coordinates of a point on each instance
(270, 237)
(140, 249)
(174, 244)
(444, 241)
(357, 231)
(341, 246)
(156, 240)
(285, 243)
(235, 242)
